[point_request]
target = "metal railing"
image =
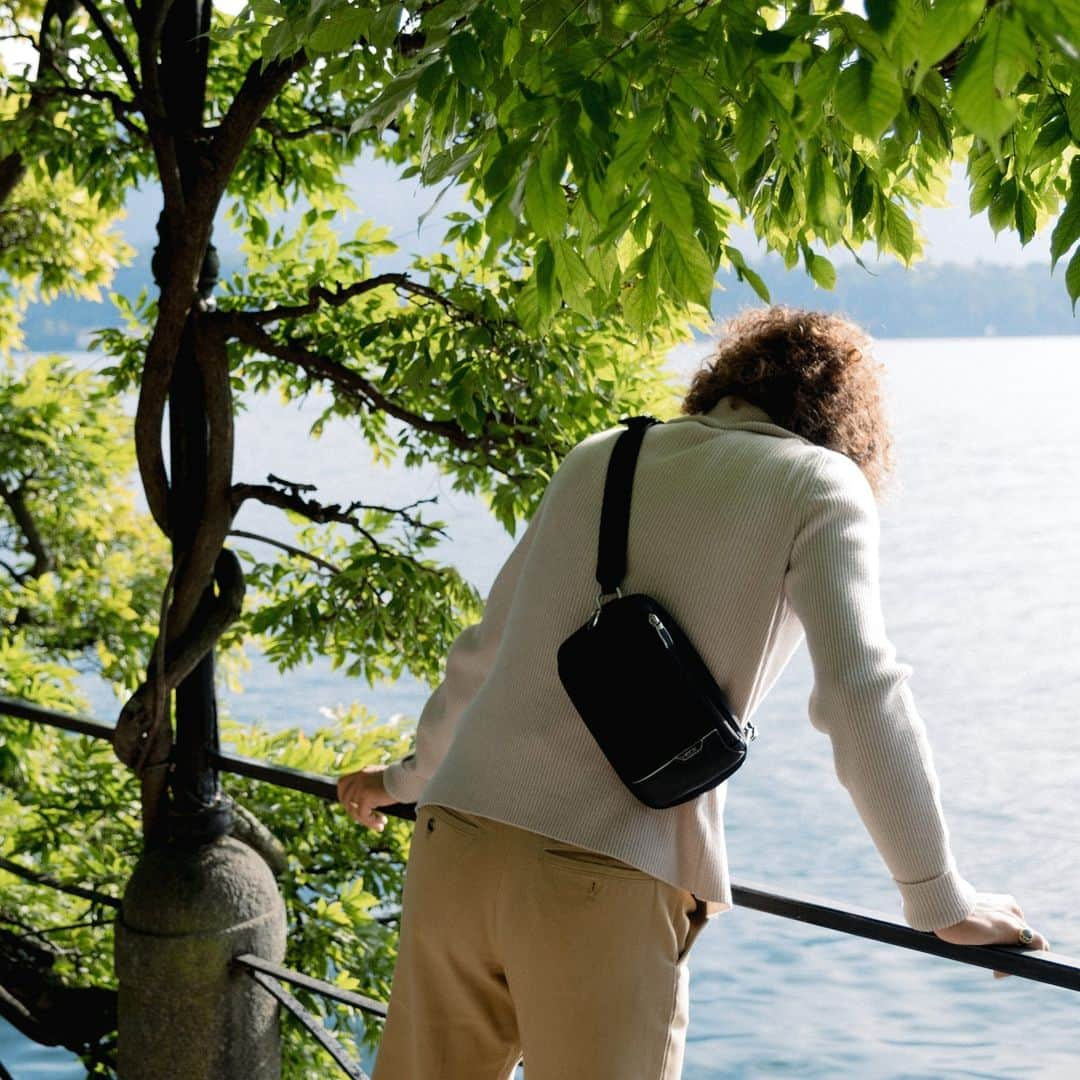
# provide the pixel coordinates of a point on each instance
(1036, 966)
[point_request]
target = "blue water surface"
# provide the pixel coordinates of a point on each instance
(980, 582)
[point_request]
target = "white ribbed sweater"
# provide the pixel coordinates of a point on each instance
(750, 535)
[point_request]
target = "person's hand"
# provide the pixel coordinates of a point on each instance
(997, 920)
(362, 792)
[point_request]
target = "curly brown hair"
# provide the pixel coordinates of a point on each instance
(812, 373)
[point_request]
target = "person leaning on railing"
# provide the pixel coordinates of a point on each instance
(545, 909)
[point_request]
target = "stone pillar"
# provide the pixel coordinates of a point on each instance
(185, 1011)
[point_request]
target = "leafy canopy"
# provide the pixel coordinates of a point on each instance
(620, 141)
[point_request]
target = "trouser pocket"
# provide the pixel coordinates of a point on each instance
(698, 922)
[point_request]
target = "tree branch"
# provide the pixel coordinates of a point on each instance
(319, 294)
(39, 878)
(16, 500)
(42, 935)
(38, 1003)
(323, 122)
(114, 46)
(17, 575)
(300, 552)
(401, 512)
(150, 25)
(12, 165)
(259, 88)
(313, 511)
(349, 382)
(120, 106)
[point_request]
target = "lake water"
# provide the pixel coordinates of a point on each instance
(980, 586)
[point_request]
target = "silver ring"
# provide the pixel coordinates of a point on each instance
(1027, 935)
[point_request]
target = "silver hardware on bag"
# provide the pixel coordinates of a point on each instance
(683, 755)
(661, 629)
(600, 601)
(750, 731)
(686, 755)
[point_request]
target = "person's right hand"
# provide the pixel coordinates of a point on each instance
(996, 920)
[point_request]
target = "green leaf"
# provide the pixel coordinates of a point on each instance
(899, 231)
(815, 85)
(1002, 209)
(1072, 278)
(432, 80)
(388, 104)
(867, 97)
(881, 14)
(573, 275)
(595, 103)
(385, 23)
(632, 147)
(947, 24)
(985, 181)
(1067, 230)
(1024, 216)
(670, 202)
(862, 194)
(821, 270)
(1051, 142)
(643, 298)
(466, 59)
(639, 306)
(545, 203)
(690, 269)
(504, 168)
(340, 30)
(986, 79)
(546, 287)
(824, 206)
(1072, 112)
(752, 127)
(744, 273)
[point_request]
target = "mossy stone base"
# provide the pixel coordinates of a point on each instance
(185, 1011)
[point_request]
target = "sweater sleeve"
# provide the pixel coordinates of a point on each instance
(468, 662)
(861, 699)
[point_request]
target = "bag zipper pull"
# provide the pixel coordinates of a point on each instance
(661, 629)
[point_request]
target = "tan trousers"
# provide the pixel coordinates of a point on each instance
(514, 944)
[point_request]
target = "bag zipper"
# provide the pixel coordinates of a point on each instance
(661, 630)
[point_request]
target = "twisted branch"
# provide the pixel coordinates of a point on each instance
(189, 243)
(140, 729)
(217, 512)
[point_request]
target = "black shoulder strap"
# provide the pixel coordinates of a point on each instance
(615, 512)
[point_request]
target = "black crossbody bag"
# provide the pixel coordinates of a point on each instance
(633, 675)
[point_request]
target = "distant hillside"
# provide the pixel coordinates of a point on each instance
(931, 300)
